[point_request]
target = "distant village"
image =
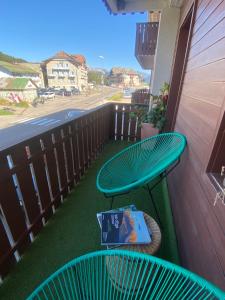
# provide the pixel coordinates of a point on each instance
(23, 81)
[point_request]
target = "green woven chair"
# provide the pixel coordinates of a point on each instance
(139, 164)
(118, 274)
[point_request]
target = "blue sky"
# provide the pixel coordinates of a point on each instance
(35, 30)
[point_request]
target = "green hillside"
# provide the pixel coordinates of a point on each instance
(10, 59)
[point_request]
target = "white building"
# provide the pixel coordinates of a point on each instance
(18, 89)
(22, 70)
(67, 71)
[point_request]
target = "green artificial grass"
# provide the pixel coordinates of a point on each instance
(74, 230)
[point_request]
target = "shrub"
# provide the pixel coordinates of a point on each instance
(116, 97)
(22, 104)
(5, 112)
(4, 102)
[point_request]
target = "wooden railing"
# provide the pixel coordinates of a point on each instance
(141, 96)
(146, 38)
(37, 174)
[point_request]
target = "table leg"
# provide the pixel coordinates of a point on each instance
(155, 206)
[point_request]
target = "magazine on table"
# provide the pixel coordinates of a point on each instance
(131, 207)
(124, 227)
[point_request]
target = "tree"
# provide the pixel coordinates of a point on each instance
(10, 59)
(95, 77)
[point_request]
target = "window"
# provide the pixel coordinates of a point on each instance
(216, 167)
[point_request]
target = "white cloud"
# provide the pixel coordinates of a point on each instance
(101, 56)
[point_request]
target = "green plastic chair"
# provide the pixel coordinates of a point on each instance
(119, 274)
(140, 163)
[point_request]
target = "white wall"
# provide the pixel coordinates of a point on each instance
(165, 47)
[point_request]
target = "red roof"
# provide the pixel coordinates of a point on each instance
(73, 58)
(62, 55)
(79, 58)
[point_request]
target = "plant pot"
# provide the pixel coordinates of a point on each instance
(148, 130)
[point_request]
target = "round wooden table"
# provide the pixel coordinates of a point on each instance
(151, 248)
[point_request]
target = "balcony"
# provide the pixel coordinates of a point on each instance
(146, 42)
(51, 75)
(60, 68)
(141, 96)
(71, 75)
(55, 173)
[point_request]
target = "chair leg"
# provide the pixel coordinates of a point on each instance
(111, 204)
(155, 206)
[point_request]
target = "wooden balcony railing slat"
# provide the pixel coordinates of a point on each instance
(5, 248)
(52, 168)
(85, 145)
(68, 156)
(25, 186)
(81, 147)
(11, 209)
(75, 149)
(61, 162)
(39, 168)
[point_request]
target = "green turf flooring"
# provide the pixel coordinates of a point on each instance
(74, 231)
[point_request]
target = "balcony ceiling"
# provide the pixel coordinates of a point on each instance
(131, 6)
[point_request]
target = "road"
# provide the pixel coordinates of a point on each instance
(80, 102)
(35, 120)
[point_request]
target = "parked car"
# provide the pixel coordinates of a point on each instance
(41, 92)
(59, 92)
(47, 95)
(67, 93)
(75, 91)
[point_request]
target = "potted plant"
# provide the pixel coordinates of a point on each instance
(152, 121)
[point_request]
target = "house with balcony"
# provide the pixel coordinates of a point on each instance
(124, 77)
(67, 71)
(82, 67)
(49, 198)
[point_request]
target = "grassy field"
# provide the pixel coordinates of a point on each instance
(22, 104)
(7, 107)
(116, 97)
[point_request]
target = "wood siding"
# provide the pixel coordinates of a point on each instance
(199, 224)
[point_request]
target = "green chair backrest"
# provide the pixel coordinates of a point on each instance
(140, 163)
(119, 274)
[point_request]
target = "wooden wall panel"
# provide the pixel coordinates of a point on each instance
(214, 72)
(212, 95)
(213, 54)
(208, 7)
(200, 226)
(210, 22)
(213, 36)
